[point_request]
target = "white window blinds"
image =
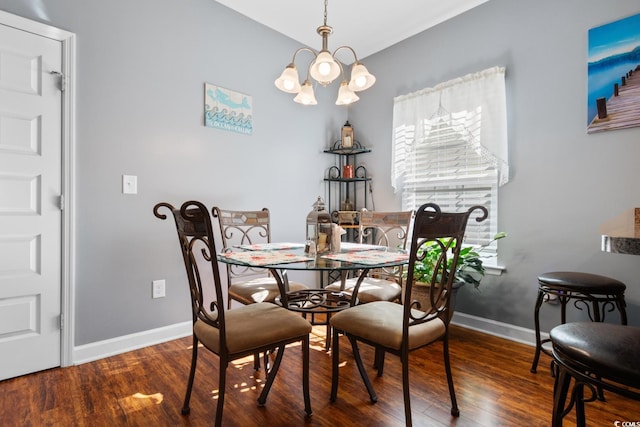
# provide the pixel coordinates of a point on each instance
(450, 147)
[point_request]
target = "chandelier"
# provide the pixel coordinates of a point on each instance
(324, 69)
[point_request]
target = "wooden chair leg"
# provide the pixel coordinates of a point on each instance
(192, 374)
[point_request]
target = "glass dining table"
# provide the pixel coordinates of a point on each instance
(279, 258)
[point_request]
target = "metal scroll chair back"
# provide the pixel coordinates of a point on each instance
(195, 235)
(444, 231)
(389, 229)
(238, 228)
(399, 329)
(231, 334)
(245, 228)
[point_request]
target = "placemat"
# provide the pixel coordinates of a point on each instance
(352, 247)
(259, 258)
(372, 257)
(270, 246)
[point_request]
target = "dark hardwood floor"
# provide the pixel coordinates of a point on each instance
(146, 388)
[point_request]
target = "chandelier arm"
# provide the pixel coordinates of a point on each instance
(315, 54)
(349, 48)
(341, 67)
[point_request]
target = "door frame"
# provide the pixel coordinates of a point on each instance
(67, 279)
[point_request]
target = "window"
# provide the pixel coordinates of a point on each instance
(450, 148)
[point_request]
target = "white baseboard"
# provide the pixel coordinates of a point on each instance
(101, 349)
(499, 329)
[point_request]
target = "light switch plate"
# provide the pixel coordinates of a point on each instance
(129, 184)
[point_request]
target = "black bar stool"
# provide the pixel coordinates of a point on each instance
(597, 294)
(597, 356)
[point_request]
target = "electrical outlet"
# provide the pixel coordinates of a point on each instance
(158, 289)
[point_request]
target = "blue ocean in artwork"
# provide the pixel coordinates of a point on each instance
(614, 50)
(228, 120)
(228, 110)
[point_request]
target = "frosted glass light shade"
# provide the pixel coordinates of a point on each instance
(361, 79)
(345, 95)
(324, 69)
(306, 95)
(289, 81)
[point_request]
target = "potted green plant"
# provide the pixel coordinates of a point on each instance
(470, 268)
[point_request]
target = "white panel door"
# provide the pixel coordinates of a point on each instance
(30, 189)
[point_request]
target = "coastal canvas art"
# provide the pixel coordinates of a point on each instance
(614, 75)
(227, 110)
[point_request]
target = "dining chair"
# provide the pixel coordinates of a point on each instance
(230, 334)
(388, 229)
(401, 328)
(245, 284)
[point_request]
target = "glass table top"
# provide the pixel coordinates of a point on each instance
(291, 256)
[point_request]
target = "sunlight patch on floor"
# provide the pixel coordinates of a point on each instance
(138, 401)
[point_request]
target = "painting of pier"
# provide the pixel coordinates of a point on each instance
(614, 76)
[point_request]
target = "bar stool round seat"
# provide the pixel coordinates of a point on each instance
(597, 356)
(597, 294)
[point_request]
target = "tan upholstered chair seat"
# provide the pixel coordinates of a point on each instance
(371, 289)
(253, 326)
(381, 322)
(259, 290)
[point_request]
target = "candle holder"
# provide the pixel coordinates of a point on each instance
(319, 228)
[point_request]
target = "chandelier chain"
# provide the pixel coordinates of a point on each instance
(325, 12)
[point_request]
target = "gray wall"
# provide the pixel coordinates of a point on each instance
(142, 66)
(564, 182)
(141, 69)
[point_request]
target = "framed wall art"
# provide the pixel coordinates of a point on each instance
(227, 110)
(614, 75)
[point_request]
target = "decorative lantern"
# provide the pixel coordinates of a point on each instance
(319, 227)
(346, 135)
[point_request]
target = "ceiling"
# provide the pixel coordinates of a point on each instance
(368, 27)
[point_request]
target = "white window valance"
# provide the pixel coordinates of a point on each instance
(481, 94)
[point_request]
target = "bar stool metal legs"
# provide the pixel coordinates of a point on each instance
(596, 294)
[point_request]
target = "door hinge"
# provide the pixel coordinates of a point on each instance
(63, 80)
(61, 321)
(61, 202)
